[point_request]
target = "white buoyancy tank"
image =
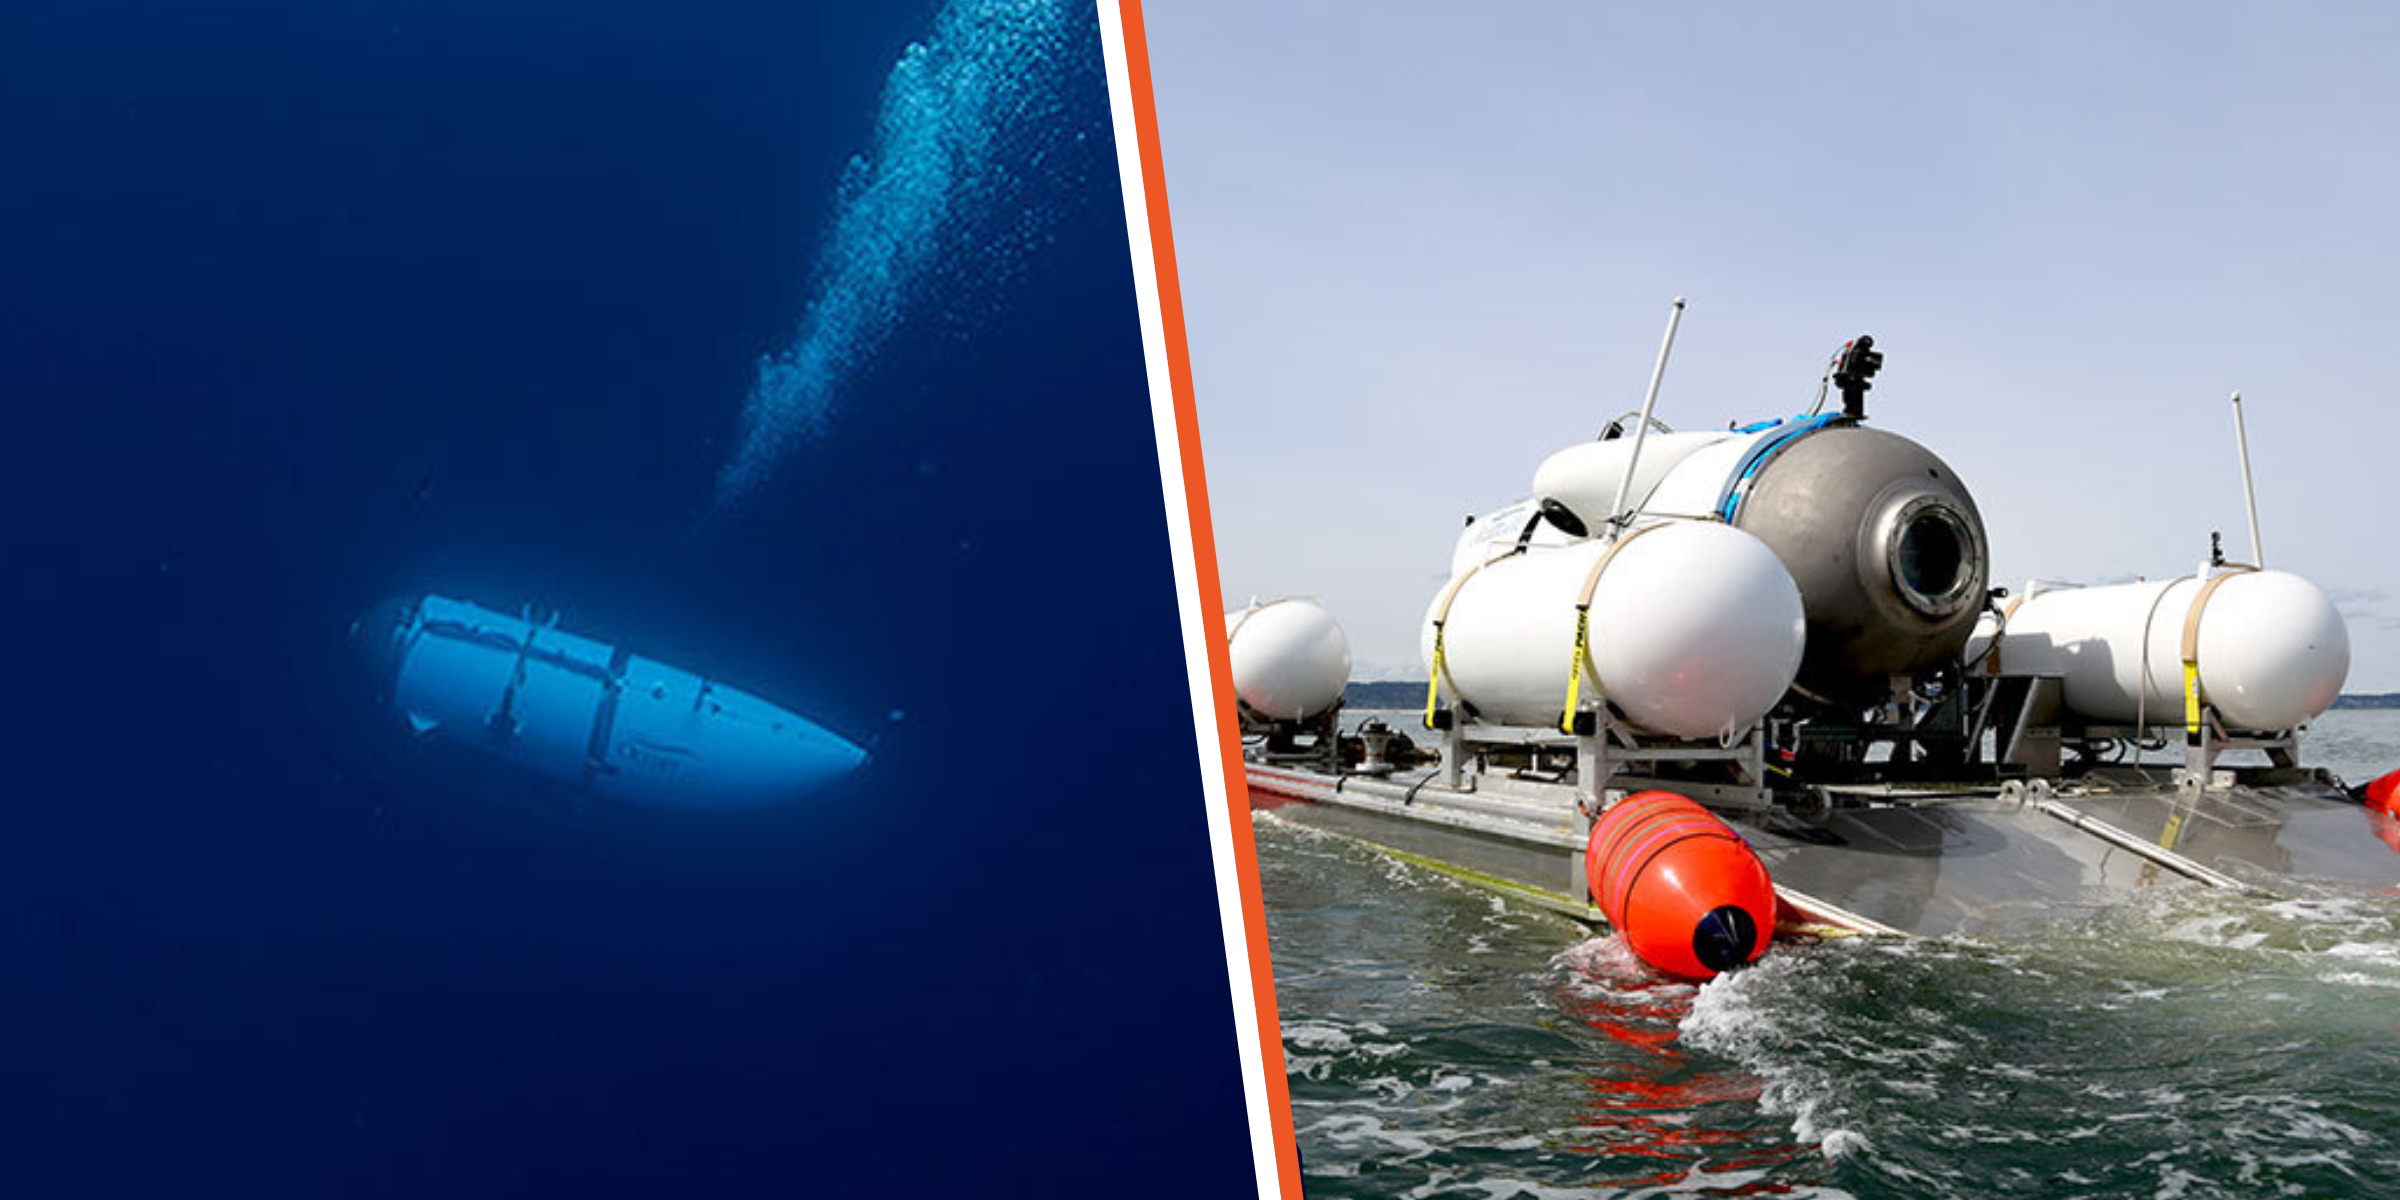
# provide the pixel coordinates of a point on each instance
(1583, 479)
(1494, 533)
(1290, 660)
(1695, 629)
(2272, 650)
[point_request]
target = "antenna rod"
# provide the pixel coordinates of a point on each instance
(1633, 459)
(2241, 441)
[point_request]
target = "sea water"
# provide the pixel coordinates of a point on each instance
(1442, 1041)
(309, 305)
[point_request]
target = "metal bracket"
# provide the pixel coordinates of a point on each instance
(1607, 751)
(2199, 770)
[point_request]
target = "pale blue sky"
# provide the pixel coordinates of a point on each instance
(1423, 245)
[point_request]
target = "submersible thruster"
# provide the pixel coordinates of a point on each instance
(588, 714)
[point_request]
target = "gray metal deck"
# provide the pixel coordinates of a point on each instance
(1921, 861)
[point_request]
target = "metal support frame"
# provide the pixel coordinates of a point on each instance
(2200, 754)
(1277, 742)
(2024, 715)
(2198, 772)
(1604, 759)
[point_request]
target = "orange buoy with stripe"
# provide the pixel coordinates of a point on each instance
(2383, 794)
(1686, 892)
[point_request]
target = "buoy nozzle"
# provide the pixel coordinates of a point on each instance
(1723, 939)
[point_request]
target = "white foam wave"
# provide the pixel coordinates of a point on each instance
(2357, 979)
(1731, 1016)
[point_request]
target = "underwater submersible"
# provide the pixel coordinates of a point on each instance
(589, 714)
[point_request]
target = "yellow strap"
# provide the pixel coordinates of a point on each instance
(1433, 686)
(1441, 616)
(2191, 650)
(1583, 624)
(1583, 641)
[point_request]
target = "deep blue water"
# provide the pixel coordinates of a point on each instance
(305, 304)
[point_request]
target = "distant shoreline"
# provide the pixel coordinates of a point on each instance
(1404, 694)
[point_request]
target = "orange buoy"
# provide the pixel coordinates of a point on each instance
(2383, 794)
(1684, 889)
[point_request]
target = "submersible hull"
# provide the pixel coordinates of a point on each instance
(1881, 537)
(589, 714)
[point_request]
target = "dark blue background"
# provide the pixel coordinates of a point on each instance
(305, 304)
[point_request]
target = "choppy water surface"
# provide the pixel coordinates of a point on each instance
(1442, 1042)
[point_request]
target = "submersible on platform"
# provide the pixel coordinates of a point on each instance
(1779, 622)
(584, 713)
